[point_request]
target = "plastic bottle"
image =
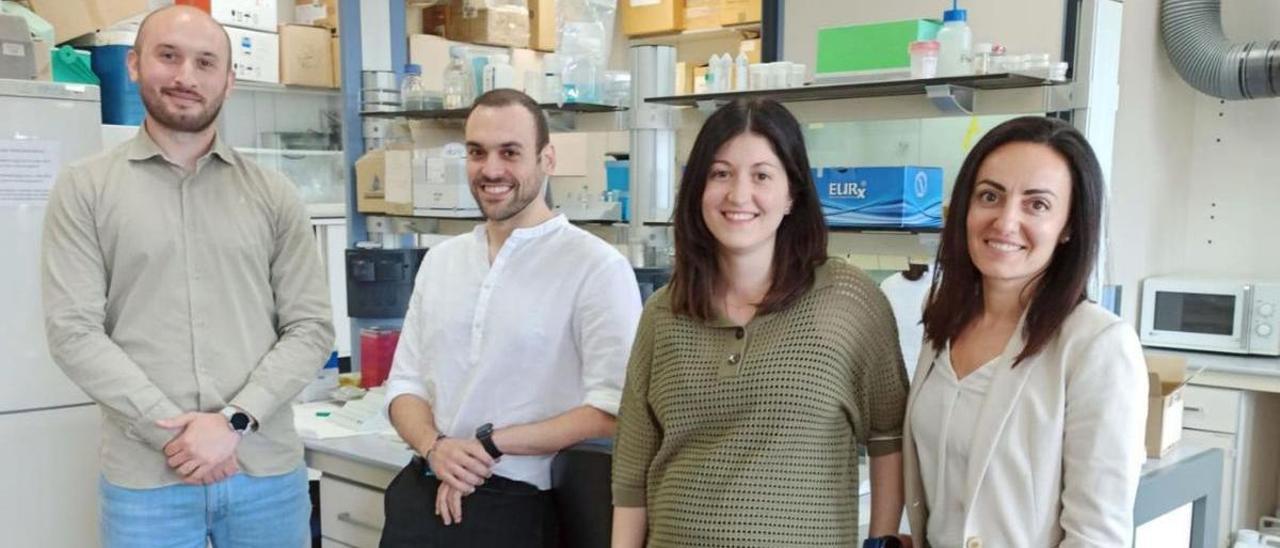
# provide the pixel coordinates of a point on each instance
(457, 80)
(552, 82)
(412, 91)
(498, 73)
(741, 71)
(955, 40)
(726, 73)
(713, 73)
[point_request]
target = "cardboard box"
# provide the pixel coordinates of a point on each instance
(433, 19)
(306, 56)
(255, 56)
(440, 184)
(751, 48)
(890, 197)
(335, 50)
(1166, 375)
(371, 171)
(641, 17)
(72, 18)
(739, 12)
(495, 26)
(875, 47)
(250, 14)
(542, 25)
(699, 81)
(432, 54)
(701, 14)
(683, 77)
(398, 182)
(318, 13)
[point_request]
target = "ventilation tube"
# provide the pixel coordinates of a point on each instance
(1200, 52)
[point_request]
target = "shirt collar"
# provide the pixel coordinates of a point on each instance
(822, 278)
(143, 147)
(545, 227)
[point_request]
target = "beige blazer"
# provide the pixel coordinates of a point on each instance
(1059, 445)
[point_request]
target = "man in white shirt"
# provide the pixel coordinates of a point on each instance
(514, 347)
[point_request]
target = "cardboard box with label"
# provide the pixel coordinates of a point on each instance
(72, 18)
(542, 25)
(751, 48)
(641, 17)
(432, 53)
(335, 50)
(884, 197)
(495, 26)
(1166, 376)
(371, 172)
(740, 12)
(250, 14)
(441, 186)
(701, 14)
(306, 56)
(255, 56)
(318, 13)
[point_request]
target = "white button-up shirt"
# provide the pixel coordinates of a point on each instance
(544, 329)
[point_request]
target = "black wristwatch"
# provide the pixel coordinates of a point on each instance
(240, 421)
(485, 434)
(888, 541)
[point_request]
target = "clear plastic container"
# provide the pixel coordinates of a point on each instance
(581, 79)
(741, 70)
(617, 88)
(498, 73)
(552, 81)
(457, 80)
(955, 40)
(982, 58)
(413, 92)
(795, 75)
(758, 76)
(924, 59)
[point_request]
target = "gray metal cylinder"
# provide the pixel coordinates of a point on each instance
(1202, 55)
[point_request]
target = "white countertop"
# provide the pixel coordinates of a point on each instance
(1257, 373)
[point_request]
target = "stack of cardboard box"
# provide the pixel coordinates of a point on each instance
(321, 14)
(251, 25)
(672, 16)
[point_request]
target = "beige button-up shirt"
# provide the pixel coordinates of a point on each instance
(167, 292)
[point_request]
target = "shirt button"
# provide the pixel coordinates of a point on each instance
(739, 333)
(733, 359)
(973, 542)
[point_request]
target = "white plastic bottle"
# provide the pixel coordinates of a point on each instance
(498, 73)
(713, 73)
(741, 69)
(955, 41)
(726, 71)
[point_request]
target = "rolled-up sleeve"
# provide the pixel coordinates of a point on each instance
(607, 311)
(1103, 448)
(410, 374)
(74, 291)
(303, 320)
(882, 378)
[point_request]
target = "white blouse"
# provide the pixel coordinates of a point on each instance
(943, 423)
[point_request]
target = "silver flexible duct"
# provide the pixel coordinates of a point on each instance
(1203, 56)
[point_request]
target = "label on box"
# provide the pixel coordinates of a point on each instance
(900, 197)
(643, 3)
(309, 13)
(14, 49)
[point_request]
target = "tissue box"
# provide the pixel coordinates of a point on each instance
(880, 197)
(1167, 376)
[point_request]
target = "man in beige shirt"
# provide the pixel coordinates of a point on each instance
(184, 293)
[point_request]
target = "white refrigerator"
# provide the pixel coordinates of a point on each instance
(49, 428)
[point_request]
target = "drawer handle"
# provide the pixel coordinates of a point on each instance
(346, 516)
(1190, 409)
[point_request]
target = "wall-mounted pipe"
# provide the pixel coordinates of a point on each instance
(1202, 55)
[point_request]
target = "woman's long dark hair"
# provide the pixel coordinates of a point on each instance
(956, 296)
(801, 244)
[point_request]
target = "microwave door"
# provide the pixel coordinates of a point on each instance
(1197, 319)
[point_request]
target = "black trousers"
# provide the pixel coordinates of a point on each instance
(501, 513)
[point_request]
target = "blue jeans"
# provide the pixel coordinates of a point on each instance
(239, 512)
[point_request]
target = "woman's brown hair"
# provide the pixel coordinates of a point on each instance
(956, 296)
(801, 244)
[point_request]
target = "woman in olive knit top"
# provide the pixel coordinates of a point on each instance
(760, 368)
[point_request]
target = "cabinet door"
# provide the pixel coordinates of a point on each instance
(49, 477)
(1227, 443)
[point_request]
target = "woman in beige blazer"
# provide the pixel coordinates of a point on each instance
(1026, 414)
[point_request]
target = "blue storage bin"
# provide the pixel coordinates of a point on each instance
(121, 103)
(617, 176)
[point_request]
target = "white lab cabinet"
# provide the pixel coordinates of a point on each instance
(1242, 424)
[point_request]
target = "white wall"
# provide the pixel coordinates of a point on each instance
(1170, 169)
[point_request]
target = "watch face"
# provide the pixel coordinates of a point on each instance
(240, 422)
(485, 430)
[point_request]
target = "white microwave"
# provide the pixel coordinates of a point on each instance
(1214, 315)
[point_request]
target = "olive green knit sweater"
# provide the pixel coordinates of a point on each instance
(746, 436)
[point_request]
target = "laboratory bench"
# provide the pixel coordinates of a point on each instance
(356, 470)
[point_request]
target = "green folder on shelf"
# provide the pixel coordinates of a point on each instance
(72, 66)
(871, 47)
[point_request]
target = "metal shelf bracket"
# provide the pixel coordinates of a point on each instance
(950, 98)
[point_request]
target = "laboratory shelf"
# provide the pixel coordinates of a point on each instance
(460, 113)
(887, 88)
(699, 35)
